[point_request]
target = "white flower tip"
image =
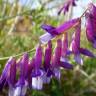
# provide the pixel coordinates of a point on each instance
(45, 38)
(37, 83)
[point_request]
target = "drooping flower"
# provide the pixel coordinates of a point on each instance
(56, 63)
(67, 5)
(22, 84)
(47, 57)
(30, 68)
(12, 78)
(54, 31)
(47, 64)
(37, 81)
(65, 52)
(5, 73)
(90, 29)
(56, 59)
(75, 46)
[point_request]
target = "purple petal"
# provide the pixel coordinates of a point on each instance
(66, 25)
(77, 34)
(65, 45)
(66, 65)
(31, 65)
(57, 53)
(49, 73)
(4, 75)
(24, 66)
(12, 74)
(75, 44)
(74, 48)
(30, 68)
(47, 57)
(86, 52)
(38, 59)
(36, 73)
(46, 79)
(50, 29)
(58, 30)
(21, 82)
(89, 28)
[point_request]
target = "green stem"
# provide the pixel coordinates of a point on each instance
(5, 58)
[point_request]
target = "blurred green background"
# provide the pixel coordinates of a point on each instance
(19, 34)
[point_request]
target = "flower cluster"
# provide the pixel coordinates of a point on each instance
(24, 73)
(33, 73)
(75, 43)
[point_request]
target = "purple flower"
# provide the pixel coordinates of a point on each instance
(12, 73)
(67, 5)
(47, 56)
(5, 74)
(54, 31)
(65, 45)
(38, 62)
(65, 52)
(22, 84)
(56, 63)
(47, 63)
(12, 78)
(90, 29)
(75, 46)
(37, 81)
(30, 68)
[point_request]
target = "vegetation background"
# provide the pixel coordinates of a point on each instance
(19, 34)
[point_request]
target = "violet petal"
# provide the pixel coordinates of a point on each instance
(47, 57)
(66, 65)
(66, 25)
(50, 29)
(86, 52)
